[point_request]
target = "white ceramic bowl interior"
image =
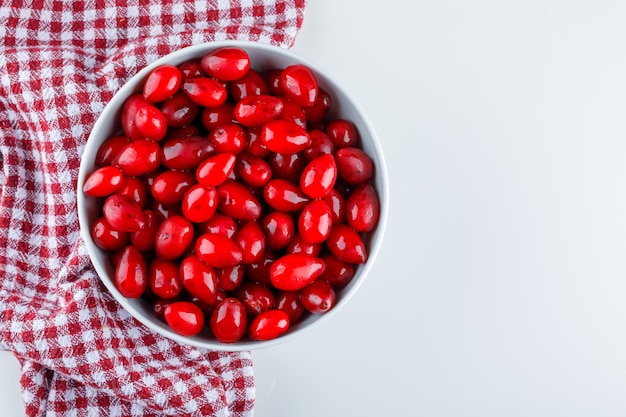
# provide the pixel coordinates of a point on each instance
(263, 57)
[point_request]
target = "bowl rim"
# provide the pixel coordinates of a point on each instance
(131, 86)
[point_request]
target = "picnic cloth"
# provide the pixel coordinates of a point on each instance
(81, 354)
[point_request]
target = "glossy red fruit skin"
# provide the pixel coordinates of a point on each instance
(109, 149)
(131, 273)
(199, 203)
(150, 122)
(293, 113)
(251, 240)
(287, 166)
(278, 228)
(162, 211)
(318, 297)
(289, 302)
(169, 187)
(106, 237)
(213, 117)
(321, 144)
(363, 208)
(103, 181)
(268, 325)
(315, 222)
(179, 110)
(299, 84)
(253, 170)
(284, 136)
(235, 200)
(173, 237)
(318, 111)
(254, 145)
(216, 169)
(284, 195)
(162, 83)
(346, 244)
(338, 273)
(138, 157)
(184, 317)
(226, 63)
(343, 133)
(251, 84)
(134, 188)
(164, 279)
(220, 224)
(231, 277)
(228, 138)
(229, 320)
(186, 153)
(199, 279)
(123, 213)
(337, 204)
(254, 111)
(191, 69)
(255, 297)
(272, 78)
(354, 166)
(299, 245)
(218, 251)
(205, 92)
(144, 239)
(319, 176)
(182, 132)
(294, 271)
(129, 110)
(259, 271)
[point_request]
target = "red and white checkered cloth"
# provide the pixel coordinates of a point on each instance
(60, 63)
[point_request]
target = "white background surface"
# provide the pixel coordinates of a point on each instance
(501, 287)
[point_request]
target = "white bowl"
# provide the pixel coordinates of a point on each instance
(262, 57)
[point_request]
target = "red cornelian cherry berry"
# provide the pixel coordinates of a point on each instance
(103, 181)
(205, 91)
(251, 84)
(318, 297)
(179, 110)
(354, 166)
(144, 239)
(162, 83)
(315, 222)
(289, 302)
(173, 237)
(218, 251)
(229, 320)
(284, 195)
(216, 169)
(255, 297)
(226, 63)
(220, 224)
(295, 271)
(363, 208)
(164, 279)
(199, 203)
(131, 273)
(319, 176)
(184, 317)
(346, 244)
(199, 279)
(138, 157)
(186, 153)
(284, 136)
(299, 84)
(123, 213)
(269, 325)
(106, 237)
(255, 111)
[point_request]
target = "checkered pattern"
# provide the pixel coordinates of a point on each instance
(60, 62)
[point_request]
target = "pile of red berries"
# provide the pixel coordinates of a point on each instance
(230, 201)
